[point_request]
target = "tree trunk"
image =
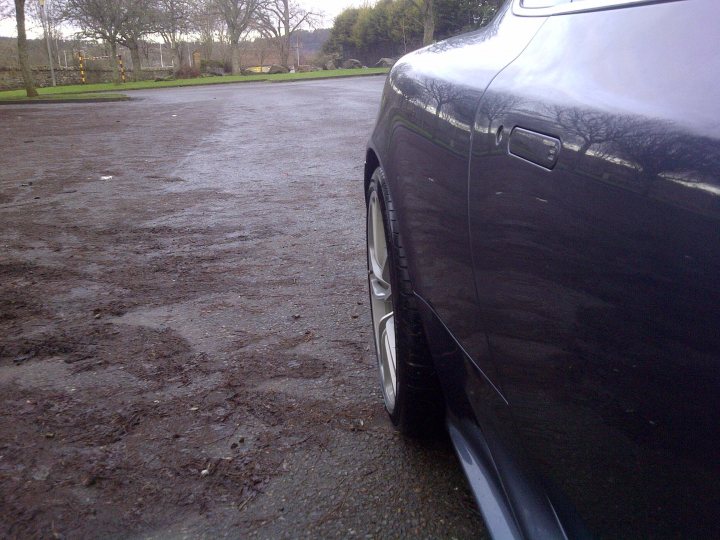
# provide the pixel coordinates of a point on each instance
(176, 48)
(114, 62)
(135, 56)
(285, 49)
(428, 22)
(22, 49)
(207, 46)
(585, 147)
(177, 57)
(235, 58)
(285, 46)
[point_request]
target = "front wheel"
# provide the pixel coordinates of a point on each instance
(409, 386)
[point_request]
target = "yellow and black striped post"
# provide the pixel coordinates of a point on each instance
(81, 59)
(122, 68)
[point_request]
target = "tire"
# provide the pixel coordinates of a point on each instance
(410, 388)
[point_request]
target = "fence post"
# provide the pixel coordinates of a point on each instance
(122, 68)
(81, 59)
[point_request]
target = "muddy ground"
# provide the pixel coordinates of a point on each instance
(184, 329)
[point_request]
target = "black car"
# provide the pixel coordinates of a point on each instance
(544, 263)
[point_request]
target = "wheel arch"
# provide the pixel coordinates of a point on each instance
(372, 162)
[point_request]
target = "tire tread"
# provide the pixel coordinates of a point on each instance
(419, 406)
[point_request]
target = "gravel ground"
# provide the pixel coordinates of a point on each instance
(184, 330)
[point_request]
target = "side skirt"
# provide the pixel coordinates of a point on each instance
(513, 501)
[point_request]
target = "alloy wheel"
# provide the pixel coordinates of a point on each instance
(381, 300)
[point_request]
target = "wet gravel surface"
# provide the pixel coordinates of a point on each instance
(184, 330)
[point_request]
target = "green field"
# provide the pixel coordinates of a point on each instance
(66, 92)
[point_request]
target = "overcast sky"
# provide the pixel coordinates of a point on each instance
(329, 8)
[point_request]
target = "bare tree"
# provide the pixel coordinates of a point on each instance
(259, 49)
(51, 18)
(139, 22)
(6, 9)
(279, 19)
(441, 94)
(173, 21)
(495, 106)
(239, 17)
(101, 19)
(210, 26)
(594, 128)
(22, 49)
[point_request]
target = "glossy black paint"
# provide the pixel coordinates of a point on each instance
(573, 304)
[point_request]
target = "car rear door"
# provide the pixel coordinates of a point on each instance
(594, 204)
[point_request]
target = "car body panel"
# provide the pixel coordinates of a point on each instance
(572, 305)
(512, 503)
(598, 278)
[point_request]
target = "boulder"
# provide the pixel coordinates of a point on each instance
(307, 69)
(385, 63)
(245, 71)
(330, 66)
(215, 70)
(275, 69)
(351, 63)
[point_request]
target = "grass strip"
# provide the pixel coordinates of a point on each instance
(61, 98)
(66, 91)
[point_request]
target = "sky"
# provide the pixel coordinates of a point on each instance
(329, 8)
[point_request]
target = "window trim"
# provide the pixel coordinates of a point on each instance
(577, 6)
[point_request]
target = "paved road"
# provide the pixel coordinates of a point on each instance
(185, 343)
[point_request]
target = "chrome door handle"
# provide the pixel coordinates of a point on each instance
(535, 147)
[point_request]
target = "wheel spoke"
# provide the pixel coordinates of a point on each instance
(377, 254)
(378, 260)
(385, 271)
(381, 299)
(386, 329)
(379, 288)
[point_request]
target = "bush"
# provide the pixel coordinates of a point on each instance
(187, 72)
(214, 66)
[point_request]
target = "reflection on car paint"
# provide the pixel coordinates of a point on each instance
(573, 312)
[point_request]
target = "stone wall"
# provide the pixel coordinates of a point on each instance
(11, 78)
